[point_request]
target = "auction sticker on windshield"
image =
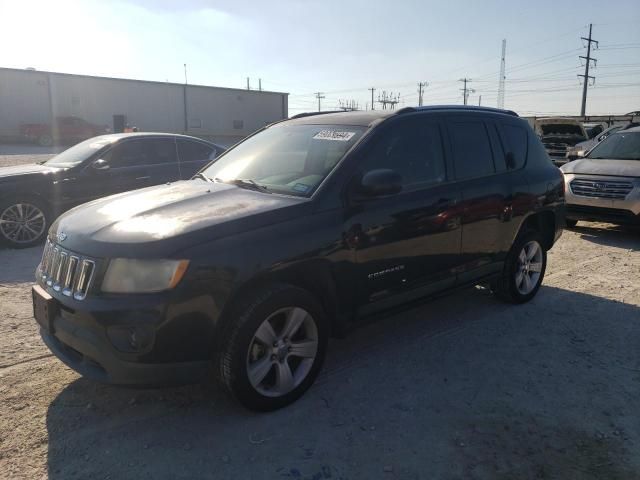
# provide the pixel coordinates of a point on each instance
(334, 135)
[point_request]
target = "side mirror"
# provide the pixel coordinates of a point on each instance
(100, 165)
(377, 183)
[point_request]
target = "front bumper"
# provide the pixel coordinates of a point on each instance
(592, 208)
(141, 340)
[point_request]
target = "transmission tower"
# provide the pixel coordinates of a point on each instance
(388, 99)
(348, 105)
(586, 77)
(502, 75)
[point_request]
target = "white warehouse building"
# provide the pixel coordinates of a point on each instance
(223, 115)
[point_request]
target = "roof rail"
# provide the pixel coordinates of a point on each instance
(455, 107)
(311, 114)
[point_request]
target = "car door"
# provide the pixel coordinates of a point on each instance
(406, 244)
(488, 194)
(193, 155)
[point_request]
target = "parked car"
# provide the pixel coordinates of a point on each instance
(31, 196)
(605, 185)
(580, 149)
(558, 134)
(296, 233)
(63, 130)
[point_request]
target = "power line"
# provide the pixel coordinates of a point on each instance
(588, 59)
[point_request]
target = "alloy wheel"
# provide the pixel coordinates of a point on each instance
(22, 223)
(282, 351)
(529, 267)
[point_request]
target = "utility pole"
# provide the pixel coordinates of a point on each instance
(588, 59)
(185, 74)
(502, 75)
(260, 84)
(319, 96)
(466, 91)
(421, 86)
(480, 101)
(373, 106)
(248, 85)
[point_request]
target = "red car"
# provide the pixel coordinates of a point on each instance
(63, 130)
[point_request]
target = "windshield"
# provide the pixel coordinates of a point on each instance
(561, 129)
(618, 146)
(80, 152)
(290, 159)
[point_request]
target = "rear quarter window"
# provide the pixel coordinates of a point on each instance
(516, 140)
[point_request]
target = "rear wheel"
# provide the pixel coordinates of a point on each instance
(523, 270)
(571, 223)
(23, 222)
(274, 349)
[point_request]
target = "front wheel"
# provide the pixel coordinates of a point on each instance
(274, 348)
(571, 223)
(523, 270)
(23, 223)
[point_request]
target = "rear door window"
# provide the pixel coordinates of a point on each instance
(472, 154)
(190, 151)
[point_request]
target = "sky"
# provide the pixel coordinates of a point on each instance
(343, 48)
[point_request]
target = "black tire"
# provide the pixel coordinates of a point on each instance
(45, 140)
(571, 223)
(238, 338)
(8, 236)
(506, 287)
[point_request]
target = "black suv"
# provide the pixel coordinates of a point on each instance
(293, 235)
(31, 196)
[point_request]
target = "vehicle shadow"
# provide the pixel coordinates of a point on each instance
(19, 266)
(461, 387)
(621, 236)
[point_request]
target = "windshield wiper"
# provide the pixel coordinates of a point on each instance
(202, 176)
(248, 184)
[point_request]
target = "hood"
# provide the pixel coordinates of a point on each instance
(26, 169)
(160, 221)
(613, 168)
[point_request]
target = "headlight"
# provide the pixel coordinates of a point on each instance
(125, 275)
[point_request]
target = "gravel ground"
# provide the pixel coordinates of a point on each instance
(18, 154)
(464, 387)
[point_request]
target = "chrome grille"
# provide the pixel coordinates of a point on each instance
(65, 271)
(614, 190)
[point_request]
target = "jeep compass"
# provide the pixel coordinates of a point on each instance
(308, 226)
